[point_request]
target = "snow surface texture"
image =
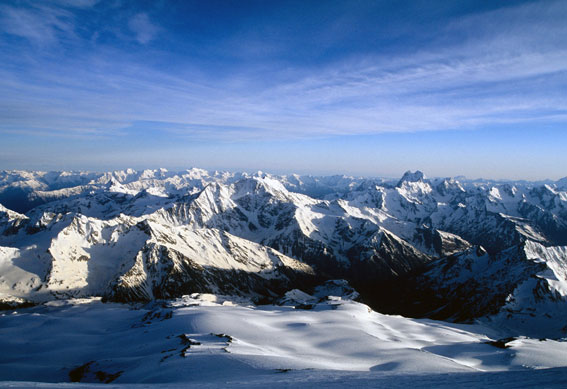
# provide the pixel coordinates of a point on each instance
(216, 340)
(490, 253)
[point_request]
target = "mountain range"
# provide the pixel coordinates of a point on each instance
(444, 248)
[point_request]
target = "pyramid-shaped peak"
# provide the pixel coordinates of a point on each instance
(410, 176)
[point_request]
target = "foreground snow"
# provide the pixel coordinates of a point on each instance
(209, 340)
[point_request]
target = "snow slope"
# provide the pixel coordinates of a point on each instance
(206, 339)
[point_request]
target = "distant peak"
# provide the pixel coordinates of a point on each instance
(255, 183)
(259, 174)
(410, 176)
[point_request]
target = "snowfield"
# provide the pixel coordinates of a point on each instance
(208, 340)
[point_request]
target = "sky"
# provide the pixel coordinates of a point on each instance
(372, 88)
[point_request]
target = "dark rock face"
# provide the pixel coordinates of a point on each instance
(468, 285)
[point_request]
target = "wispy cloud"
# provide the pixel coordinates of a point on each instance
(75, 3)
(491, 75)
(40, 25)
(143, 28)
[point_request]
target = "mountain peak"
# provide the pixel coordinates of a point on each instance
(257, 184)
(410, 176)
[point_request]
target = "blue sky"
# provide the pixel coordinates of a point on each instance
(475, 88)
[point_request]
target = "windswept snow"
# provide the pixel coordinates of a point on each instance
(203, 339)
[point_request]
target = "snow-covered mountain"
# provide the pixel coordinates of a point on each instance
(138, 235)
(523, 289)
